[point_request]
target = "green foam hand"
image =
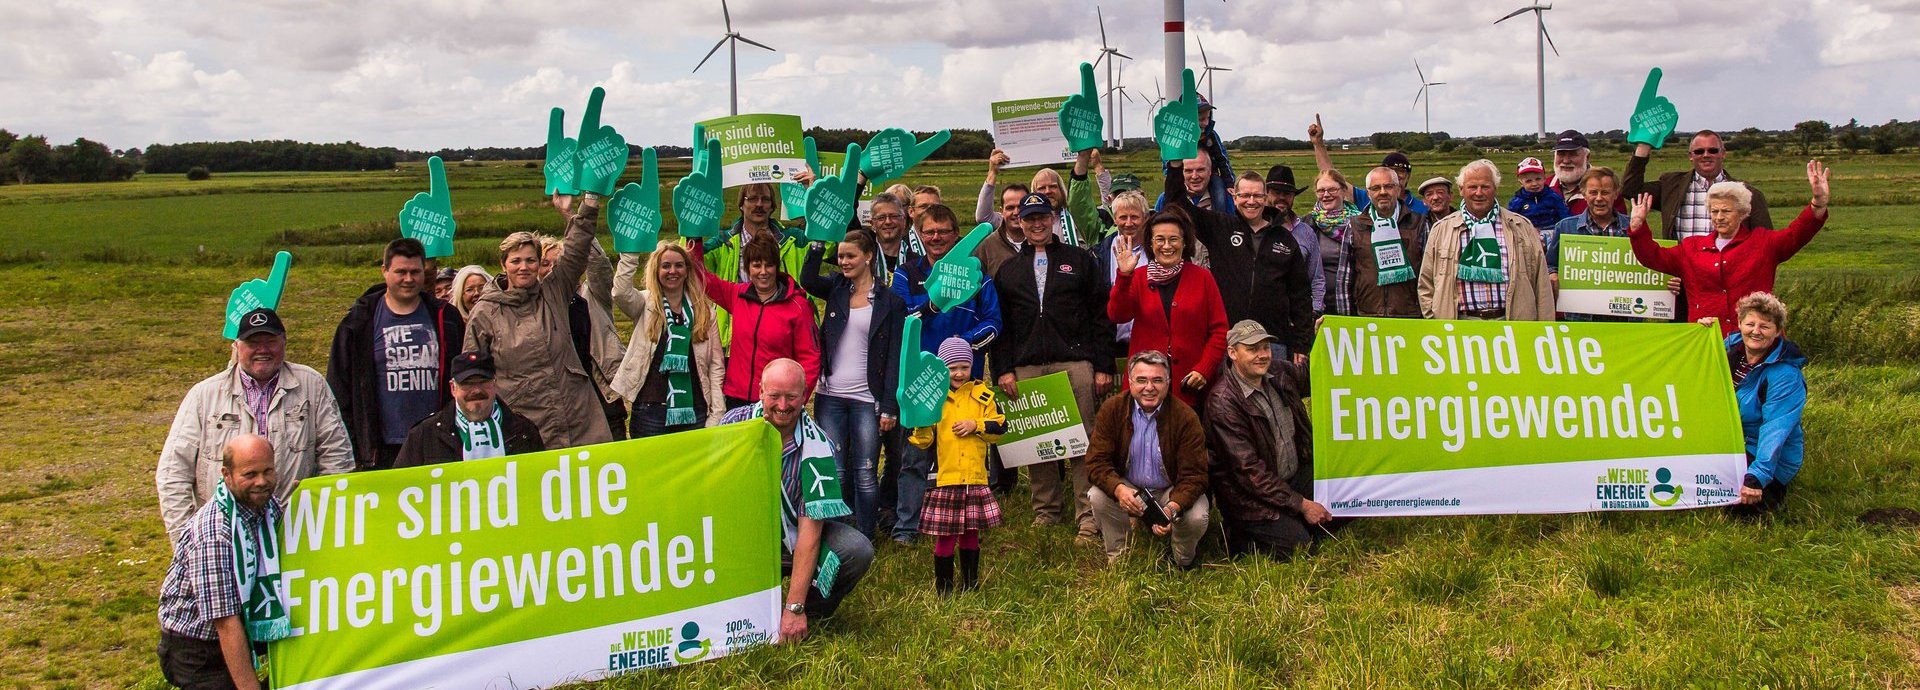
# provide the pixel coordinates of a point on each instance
(1177, 126)
(428, 216)
(697, 199)
(831, 202)
(923, 380)
(892, 152)
(603, 152)
(1080, 119)
(633, 214)
(699, 144)
(794, 197)
(1653, 116)
(956, 276)
(561, 169)
(257, 293)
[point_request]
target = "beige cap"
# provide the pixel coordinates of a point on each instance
(1422, 189)
(1248, 332)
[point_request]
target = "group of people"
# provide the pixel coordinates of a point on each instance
(1183, 326)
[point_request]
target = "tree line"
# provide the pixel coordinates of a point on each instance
(30, 159)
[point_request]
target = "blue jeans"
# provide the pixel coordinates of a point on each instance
(915, 463)
(854, 427)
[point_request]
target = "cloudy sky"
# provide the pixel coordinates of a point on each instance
(427, 74)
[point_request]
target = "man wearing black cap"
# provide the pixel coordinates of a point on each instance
(1281, 191)
(475, 426)
(389, 357)
(1397, 161)
(259, 393)
(1053, 308)
(1570, 165)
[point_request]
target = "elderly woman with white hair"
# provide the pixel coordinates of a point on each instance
(1735, 261)
(1484, 263)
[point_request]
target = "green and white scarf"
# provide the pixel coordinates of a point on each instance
(256, 568)
(1390, 253)
(482, 439)
(677, 363)
(1480, 258)
(810, 487)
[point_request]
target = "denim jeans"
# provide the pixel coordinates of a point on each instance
(650, 419)
(892, 445)
(854, 427)
(915, 463)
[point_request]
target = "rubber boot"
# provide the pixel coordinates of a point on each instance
(943, 575)
(969, 569)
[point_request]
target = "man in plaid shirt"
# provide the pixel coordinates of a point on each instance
(203, 642)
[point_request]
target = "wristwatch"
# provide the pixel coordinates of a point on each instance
(799, 609)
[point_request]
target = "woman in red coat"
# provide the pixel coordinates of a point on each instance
(1735, 261)
(772, 319)
(1175, 308)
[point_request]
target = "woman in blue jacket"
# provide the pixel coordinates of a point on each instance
(1772, 393)
(859, 364)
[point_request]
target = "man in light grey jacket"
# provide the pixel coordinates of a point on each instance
(259, 393)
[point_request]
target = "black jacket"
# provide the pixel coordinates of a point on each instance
(1072, 325)
(883, 333)
(1262, 276)
(350, 369)
(436, 439)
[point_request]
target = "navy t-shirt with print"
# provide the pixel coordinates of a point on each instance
(406, 357)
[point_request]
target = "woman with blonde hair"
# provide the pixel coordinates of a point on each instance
(675, 364)
(1333, 208)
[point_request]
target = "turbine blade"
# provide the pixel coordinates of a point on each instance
(1417, 95)
(1435, 83)
(1098, 60)
(728, 16)
(716, 49)
(1416, 70)
(1203, 50)
(1103, 25)
(756, 43)
(1543, 32)
(1513, 14)
(1123, 56)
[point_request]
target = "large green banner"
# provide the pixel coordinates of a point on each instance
(758, 148)
(1598, 275)
(535, 569)
(1418, 417)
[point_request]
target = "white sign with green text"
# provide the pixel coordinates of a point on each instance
(1043, 423)
(1028, 131)
(1599, 276)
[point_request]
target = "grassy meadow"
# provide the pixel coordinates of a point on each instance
(113, 312)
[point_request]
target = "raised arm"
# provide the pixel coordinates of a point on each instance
(815, 284)
(1082, 202)
(1650, 254)
(574, 253)
(631, 300)
(1318, 137)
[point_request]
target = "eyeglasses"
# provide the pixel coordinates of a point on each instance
(1382, 187)
(1706, 150)
(889, 216)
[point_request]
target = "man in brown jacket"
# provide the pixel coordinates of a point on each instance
(1377, 270)
(1262, 450)
(1147, 445)
(1681, 197)
(1484, 263)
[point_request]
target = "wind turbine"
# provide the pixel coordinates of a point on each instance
(1424, 84)
(1107, 53)
(1206, 68)
(1541, 40)
(732, 41)
(1120, 142)
(1159, 99)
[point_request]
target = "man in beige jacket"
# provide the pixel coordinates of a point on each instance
(258, 393)
(1484, 263)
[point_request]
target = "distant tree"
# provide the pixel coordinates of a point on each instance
(198, 172)
(84, 160)
(1851, 137)
(6, 140)
(1810, 131)
(30, 159)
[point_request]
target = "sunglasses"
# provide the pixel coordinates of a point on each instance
(1706, 151)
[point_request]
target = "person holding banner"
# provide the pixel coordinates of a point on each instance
(1380, 253)
(1147, 446)
(475, 426)
(1261, 448)
(859, 364)
(1175, 308)
(221, 596)
(1600, 192)
(675, 364)
(775, 318)
(1772, 392)
(260, 393)
(1738, 258)
(823, 559)
(960, 505)
(1007, 236)
(390, 356)
(1484, 263)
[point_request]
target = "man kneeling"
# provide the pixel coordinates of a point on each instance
(1262, 449)
(1148, 446)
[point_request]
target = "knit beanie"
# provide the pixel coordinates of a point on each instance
(956, 351)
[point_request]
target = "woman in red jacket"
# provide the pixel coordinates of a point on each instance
(1735, 261)
(772, 319)
(1175, 308)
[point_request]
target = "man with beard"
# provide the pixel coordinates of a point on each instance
(475, 426)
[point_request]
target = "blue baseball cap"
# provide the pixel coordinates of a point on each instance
(1035, 204)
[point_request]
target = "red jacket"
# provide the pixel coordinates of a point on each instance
(763, 331)
(1194, 337)
(1715, 280)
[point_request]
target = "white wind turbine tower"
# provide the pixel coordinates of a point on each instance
(1120, 142)
(732, 41)
(1541, 41)
(1206, 68)
(1159, 99)
(1107, 53)
(1423, 94)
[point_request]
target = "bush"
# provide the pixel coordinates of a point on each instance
(529, 165)
(1468, 149)
(198, 172)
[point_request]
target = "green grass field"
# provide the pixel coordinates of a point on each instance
(113, 313)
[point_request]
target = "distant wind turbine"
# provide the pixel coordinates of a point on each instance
(1159, 99)
(1423, 94)
(1120, 142)
(1541, 40)
(732, 40)
(1206, 68)
(1107, 53)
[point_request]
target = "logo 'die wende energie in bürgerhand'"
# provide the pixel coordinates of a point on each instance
(655, 648)
(1627, 488)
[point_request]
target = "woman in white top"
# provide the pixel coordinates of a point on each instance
(859, 364)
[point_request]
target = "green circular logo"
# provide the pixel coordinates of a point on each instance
(1672, 492)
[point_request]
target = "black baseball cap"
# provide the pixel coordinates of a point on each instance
(471, 365)
(1570, 140)
(1282, 176)
(1397, 160)
(262, 320)
(1035, 204)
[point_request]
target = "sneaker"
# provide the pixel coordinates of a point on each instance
(1086, 540)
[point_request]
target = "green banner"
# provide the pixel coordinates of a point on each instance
(757, 148)
(535, 569)
(1598, 275)
(1043, 423)
(1416, 417)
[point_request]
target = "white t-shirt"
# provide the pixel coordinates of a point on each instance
(849, 376)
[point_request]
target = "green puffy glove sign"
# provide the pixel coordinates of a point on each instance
(1653, 115)
(697, 200)
(1177, 126)
(892, 152)
(956, 276)
(633, 214)
(561, 169)
(257, 294)
(793, 197)
(923, 380)
(428, 216)
(831, 202)
(603, 152)
(1080, 120)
